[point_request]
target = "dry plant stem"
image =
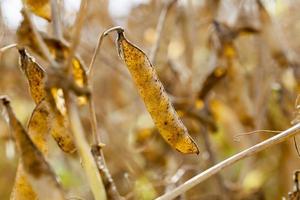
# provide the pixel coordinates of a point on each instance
(76, 34)
(10, 46)
(230, 161)
(109, 184)
(93, 119)
(7, 47)
(88, 162)
(56, 20)
(212, 162)
(101, 166)
(97, 152)
(236, 137)
(43, 47)
(159, 29)
(98, 46)
(97, 49)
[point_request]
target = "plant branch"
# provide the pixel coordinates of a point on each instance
(76, 34)
(109, 184)
(159, 29)
(88, 161)
(56, 22)
(97, 152)
(41, 44)
(212, 161)
(230, 161)
(10, 46)
(98, 46)
(93, 120)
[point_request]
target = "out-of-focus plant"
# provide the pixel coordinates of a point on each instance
(217, 70)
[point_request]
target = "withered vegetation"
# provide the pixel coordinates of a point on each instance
(148, 105)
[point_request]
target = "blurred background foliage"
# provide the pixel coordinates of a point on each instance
(229, 66)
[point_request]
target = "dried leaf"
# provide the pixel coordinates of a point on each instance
(218, 74)
(38, 171)
(226, 63)
(155, 98)
(41, 8)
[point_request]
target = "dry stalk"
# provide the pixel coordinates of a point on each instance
(159, 29)
(283, 136)
(83, 147)
(41, 44)
(97, 151)
(98, 46)
(212, 161)
(56, 20)
(76, 34)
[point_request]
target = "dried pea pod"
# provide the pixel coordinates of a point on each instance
(45, 119)
(35, 75)
(60, 51)
(38, 172)
(155, 97)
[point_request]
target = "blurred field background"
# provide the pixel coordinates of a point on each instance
(253, 84)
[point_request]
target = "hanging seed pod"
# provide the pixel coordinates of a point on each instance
(155, 97)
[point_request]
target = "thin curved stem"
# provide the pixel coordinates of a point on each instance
(7, 47)
(230, 161)
(99, 43)
(96, 150)
(93, 118)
